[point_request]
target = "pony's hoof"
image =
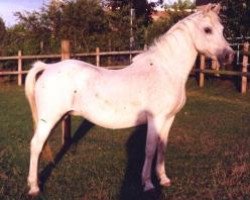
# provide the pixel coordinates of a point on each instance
(34, 191)
(165, 183)
(148, 187)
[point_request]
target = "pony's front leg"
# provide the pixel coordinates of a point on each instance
(154, 126)
(161, 147)
(41, 134)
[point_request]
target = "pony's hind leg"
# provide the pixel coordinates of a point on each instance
(41, 134)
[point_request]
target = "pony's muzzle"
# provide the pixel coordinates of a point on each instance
(226, 56)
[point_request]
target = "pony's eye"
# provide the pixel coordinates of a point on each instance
(208, 30)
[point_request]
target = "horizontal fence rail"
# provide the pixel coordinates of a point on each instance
(242, 61)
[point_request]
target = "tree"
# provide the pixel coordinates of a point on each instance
(173, 13)
(35, 29)
(84, 22)
(143, 9)
(236, 17)
(18, 38)
(2, 34)
(119, 15)
(81, 21)
(182, 5)
(2, 30)
(119, 28)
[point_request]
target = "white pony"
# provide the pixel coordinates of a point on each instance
(151, 90)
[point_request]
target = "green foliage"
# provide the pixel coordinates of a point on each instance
(2, 29)
(14, 38)
(88, 24)
(181, 5)
(2, 34)
(27, 34)
(162, 25)
(84, 23)
(236, 17)
(119, 23)
(81, 21)
(143, 9)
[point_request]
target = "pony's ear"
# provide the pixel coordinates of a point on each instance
(210, 7)
(206, 8)
(217, 8)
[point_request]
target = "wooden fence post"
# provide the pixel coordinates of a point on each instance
(202, 67)
(97, 56)
(244, 68)
(65, 49)
(216, 67)
(110, 49)
(66, 122)
(19, 68)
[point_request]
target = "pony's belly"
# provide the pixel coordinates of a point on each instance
(110, 109)
(112, 119)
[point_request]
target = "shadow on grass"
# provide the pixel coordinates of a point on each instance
(132, 188)
(81, 131)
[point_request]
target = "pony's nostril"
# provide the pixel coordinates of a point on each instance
(230, 56)
(226, 57)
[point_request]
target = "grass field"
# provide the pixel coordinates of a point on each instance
(207, 154)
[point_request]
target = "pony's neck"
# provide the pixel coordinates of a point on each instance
(177, 52)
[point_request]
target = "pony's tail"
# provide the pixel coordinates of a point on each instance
(30, 82)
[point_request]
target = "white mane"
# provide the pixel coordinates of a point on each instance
(165, 42)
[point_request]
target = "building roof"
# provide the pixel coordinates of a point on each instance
(159, 14)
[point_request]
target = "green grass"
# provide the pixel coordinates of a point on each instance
(207, 155)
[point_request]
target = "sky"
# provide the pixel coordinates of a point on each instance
(9, 7)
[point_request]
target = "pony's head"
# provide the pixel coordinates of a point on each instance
(207, 34)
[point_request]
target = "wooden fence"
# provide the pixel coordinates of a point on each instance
(20, 58)
(242, 56)
(65, 54)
